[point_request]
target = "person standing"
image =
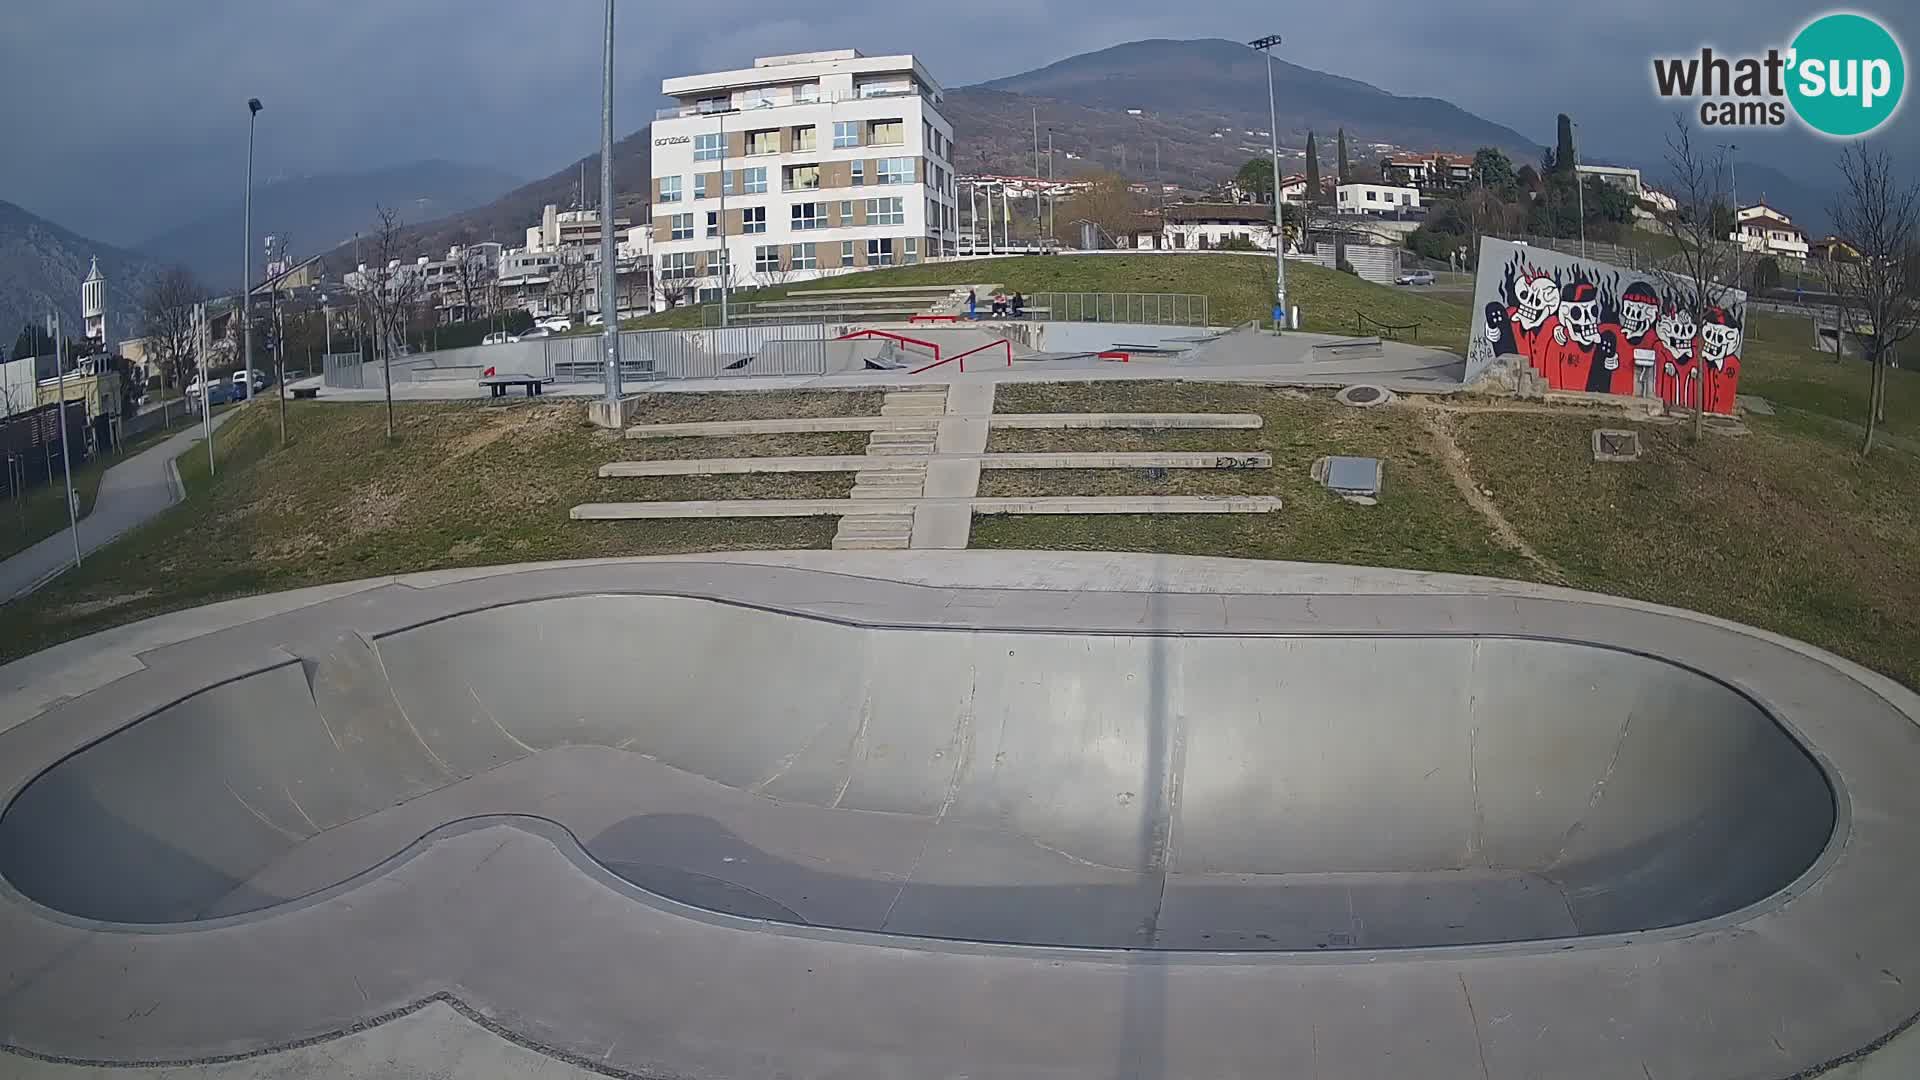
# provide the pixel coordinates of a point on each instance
(973, 306)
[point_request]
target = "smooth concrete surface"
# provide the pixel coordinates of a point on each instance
(131, 493)
(1035, 504)
(1053, 746)
(918, 424)
(1145, 420)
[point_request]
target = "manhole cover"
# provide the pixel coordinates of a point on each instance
(1616, 445)
(1364, 396)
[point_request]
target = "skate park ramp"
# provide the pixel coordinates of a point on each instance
(1128, 791)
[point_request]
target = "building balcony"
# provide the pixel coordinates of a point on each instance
(681, 111)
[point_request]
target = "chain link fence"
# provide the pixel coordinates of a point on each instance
(1151, 309)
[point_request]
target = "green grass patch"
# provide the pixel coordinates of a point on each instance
(463, 484)
(41, 512)
(1421, 522)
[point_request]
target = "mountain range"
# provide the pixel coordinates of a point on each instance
(42, 266)
(316, 213)
(1183, 112)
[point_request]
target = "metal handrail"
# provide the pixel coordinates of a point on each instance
(963, 356)
(1360, 317)
(895, 337)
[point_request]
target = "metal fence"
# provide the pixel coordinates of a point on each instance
(1153, 309)
(708, 353)
(346, 371)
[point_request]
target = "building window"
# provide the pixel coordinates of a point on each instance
(669, 189)
(763, 142)
(887, 133)
(894, 170)
(708, 147)
(682, 226)
(846, 134)
(808, 216)
(675, 265)
(880, 251)
(846, 212)
(804, 257)
(766, 259)
(713, 105)
(859, 173)
(753, 219)
(886, 212)
(713, 223)
(804, 137)
(754, 181)
(802, 178)
(912, 252)
(806, 92)
(718, 262)
(846, 253)
(699, 185)
(1370, 196)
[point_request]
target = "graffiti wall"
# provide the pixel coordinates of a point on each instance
(1591, 326)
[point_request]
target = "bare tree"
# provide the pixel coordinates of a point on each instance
(388, 287)
(1878, 291)
(1109, 204)
(566, 280)
(1704, 272)
(166, 318)
(474, 277)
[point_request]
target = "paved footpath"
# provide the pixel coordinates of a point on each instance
(130, 493)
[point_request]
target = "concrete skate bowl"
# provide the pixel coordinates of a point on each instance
(1204, 792)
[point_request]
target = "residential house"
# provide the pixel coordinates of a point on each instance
(1763, 229)
(1375, 198)
(1436, 171)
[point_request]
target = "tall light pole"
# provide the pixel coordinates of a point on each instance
(1580, 188)
(1280, 316)
(1038, 227)
(609, 272)
(246, 258)
(1733, 182)
(66, 460)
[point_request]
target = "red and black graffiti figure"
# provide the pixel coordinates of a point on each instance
(1635, 345)
(1525, 326)
(1577, 356)
(1673, 382)
(1719, 361)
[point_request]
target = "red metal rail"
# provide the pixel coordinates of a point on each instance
(896, 337)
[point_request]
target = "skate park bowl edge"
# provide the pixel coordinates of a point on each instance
(1545, 792)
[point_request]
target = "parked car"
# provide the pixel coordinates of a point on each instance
(499, 337)
(557, 325)
(535, 334)
(260, 381)
(1415, 277)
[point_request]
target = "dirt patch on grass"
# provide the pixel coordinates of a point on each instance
(1439, 425)
(83, 608)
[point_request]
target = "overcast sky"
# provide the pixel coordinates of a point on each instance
(126, 116)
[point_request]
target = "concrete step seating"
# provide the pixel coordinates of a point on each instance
(1055, 421)
(874, 532)
(1064, 504)
(896, 471)
(917, 470)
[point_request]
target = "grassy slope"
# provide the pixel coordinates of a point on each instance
(1423, 524)
(464, 485)
(42, 511)
(1237, 287)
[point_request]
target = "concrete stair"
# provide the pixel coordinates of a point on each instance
(897, 473)
(875, 532)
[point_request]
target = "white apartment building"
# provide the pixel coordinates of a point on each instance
(1375, 198)
(801, 166)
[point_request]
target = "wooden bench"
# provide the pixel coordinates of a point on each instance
(499, 384)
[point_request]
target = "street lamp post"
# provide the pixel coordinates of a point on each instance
(246, 259)
(1280, 316)
(66, 459)
(609, 271)
(1580, 188)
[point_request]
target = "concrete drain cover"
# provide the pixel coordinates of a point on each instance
(1364, 396)
(1616, 445)
(1356, 479)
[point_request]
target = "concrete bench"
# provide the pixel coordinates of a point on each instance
(305, 391)
(933, 318)
(499, 384)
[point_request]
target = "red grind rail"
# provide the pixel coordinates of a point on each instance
(1111, 354)
(896, 337)
(963, 356)
(932, 318)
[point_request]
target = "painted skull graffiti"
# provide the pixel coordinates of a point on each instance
(1639, 309)
(1538, 298)
(1580, 313)
(1718, 338)
(1676, 333)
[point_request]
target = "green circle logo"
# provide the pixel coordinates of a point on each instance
(1847, 76)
